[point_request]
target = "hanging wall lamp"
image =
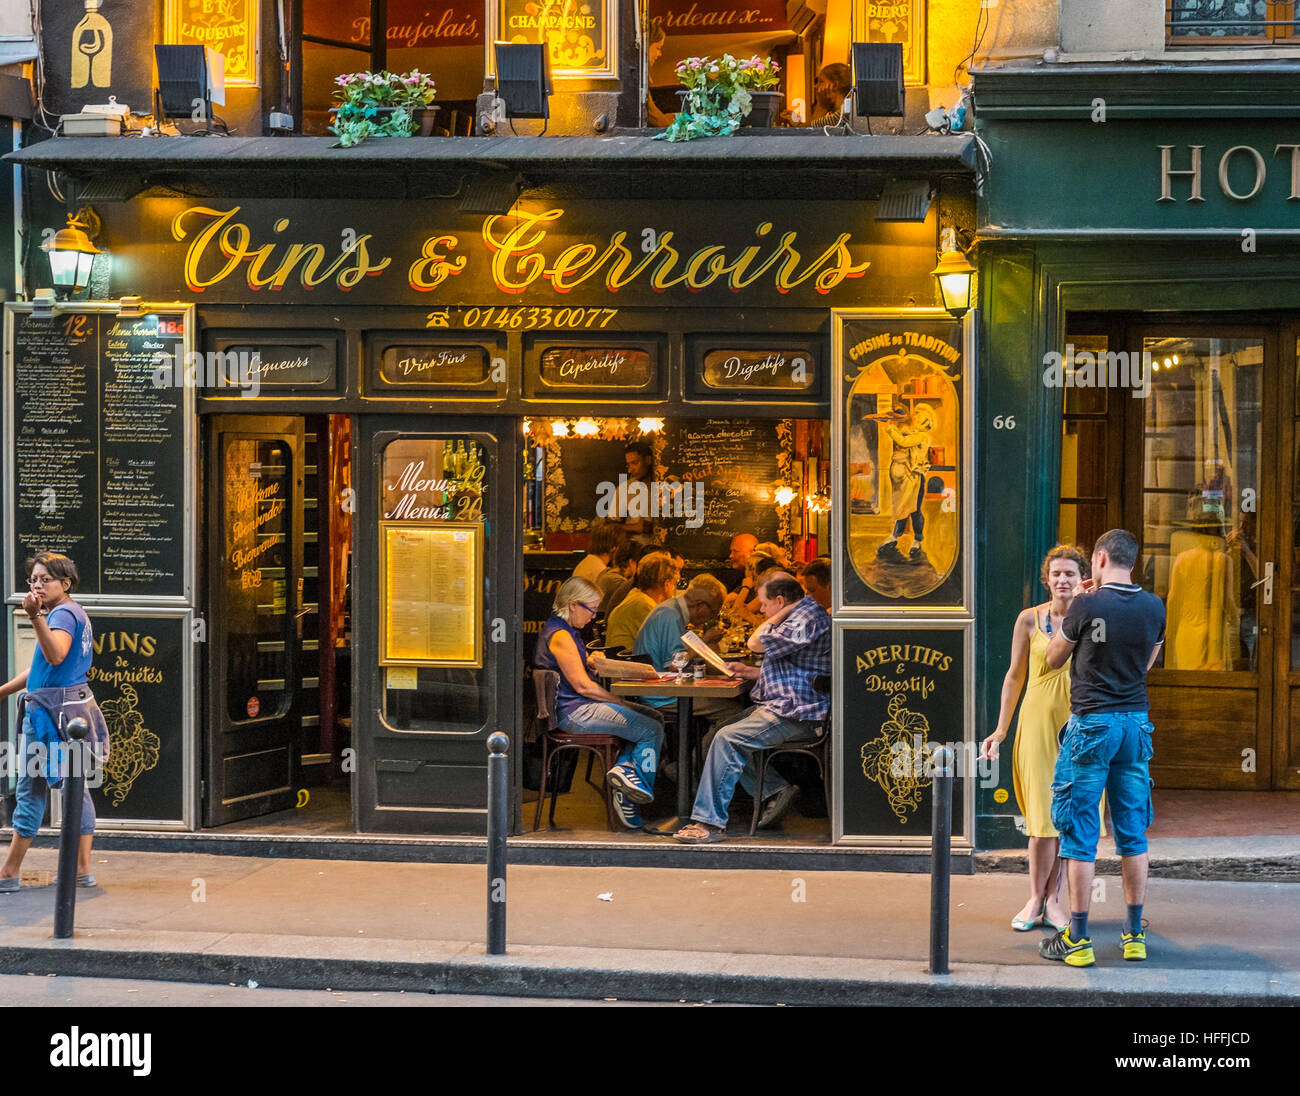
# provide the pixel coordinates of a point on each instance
(72, 253)
(956, 275)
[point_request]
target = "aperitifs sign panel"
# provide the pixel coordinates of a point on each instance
(544, 255)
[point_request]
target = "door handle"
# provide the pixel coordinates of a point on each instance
(1267, 583)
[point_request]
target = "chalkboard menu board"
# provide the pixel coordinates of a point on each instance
(738, 464)
(902, 692)
(98, 451)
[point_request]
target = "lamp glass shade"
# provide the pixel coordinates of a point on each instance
(63, 268)
(955, 276)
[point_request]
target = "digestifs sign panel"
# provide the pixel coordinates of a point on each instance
(904, 694)
(97, 446)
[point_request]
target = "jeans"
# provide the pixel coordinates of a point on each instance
(730, 760)
(644, 734)
(32, 790)
(1103, 752)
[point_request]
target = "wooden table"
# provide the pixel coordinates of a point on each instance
(686, 692)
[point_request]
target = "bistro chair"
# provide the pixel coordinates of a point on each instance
(555, 742)
(815, 747)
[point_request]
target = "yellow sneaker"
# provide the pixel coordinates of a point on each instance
(1135, 945)
(1075, 953)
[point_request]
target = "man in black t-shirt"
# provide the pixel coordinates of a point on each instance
(1115, 630)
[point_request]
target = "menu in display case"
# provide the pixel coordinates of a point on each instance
(431, 574)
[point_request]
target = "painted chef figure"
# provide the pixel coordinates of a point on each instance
(907, 467)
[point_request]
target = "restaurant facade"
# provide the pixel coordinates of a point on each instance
(1139, 284)
(331, 426)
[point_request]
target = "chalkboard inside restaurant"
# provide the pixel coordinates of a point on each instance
(718, 477)
(903, 692)
(737, 464)
(98, 449)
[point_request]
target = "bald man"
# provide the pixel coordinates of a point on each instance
(742, 548)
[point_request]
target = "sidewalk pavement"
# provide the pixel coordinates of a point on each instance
(637, 933)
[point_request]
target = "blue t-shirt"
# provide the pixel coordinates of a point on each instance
(71, 618)
(567, 698)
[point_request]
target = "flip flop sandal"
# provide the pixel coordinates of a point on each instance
(698, 834)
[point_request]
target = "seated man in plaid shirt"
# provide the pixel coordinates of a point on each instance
(796, 645)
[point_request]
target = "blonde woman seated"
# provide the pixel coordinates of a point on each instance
(583, 707)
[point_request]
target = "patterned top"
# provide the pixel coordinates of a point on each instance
(794, 652)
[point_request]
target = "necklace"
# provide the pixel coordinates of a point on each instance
(1047, 621)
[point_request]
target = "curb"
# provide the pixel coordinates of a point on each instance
(1224, 869)
(668, 976)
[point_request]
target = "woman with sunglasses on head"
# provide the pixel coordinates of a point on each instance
(583, 707)
(56, 691)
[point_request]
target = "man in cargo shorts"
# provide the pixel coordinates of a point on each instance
(1115, 630)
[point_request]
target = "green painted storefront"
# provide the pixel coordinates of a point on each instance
(1094, 202)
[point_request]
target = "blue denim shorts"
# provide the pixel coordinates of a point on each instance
(1103, 752)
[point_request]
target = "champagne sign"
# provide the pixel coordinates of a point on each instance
(575, 32)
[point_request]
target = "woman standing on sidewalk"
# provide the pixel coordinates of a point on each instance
(57, 691)
(1044, 712)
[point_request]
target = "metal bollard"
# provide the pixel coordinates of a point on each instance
(498, 820)
(941, 857)
(74, 785)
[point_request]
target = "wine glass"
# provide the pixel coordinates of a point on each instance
(679, 662)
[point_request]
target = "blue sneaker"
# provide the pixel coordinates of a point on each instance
(626, 811)
(626, 780)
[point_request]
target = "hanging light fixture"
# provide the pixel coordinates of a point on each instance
(586, 428)
(955, 274)
(784, 496)
(72, 253)
(559, 428)
(650, 426)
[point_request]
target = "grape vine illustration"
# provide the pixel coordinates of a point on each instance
(887, 759)
(134, 749)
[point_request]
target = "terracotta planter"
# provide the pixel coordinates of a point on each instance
(765, 109)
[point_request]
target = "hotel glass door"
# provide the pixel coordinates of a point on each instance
(1193, 448)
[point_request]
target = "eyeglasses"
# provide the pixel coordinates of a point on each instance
(592, 609)
(41, 580)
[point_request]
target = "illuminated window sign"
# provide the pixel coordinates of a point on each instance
(895, 21)
(228, 26)
(581, 34)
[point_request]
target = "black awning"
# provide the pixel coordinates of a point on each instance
(756, 165)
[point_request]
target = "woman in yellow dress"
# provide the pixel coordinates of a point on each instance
(1044, 712)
